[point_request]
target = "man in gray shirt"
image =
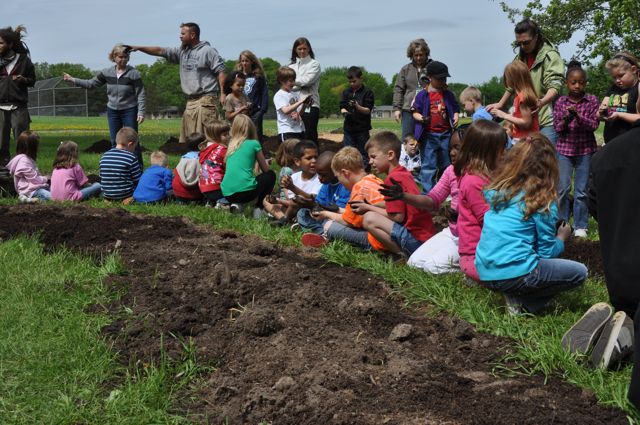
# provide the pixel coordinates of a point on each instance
(202, 76)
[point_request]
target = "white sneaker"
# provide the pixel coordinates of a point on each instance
(23, 199)
(235, 208)
(580, 233)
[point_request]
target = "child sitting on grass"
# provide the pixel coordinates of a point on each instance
(120, 168)
(155, 183)
(212, 162)
(239, 184)
(29, 183)
(187, 172)
(302, 185)
(333, 196)
(398, 227)
(285, 158)
(68, 181)
(348, 167)
(519, 242)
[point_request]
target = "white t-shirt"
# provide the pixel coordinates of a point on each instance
(286, 124)
(311, 186)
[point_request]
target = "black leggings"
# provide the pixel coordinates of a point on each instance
(310, 120)
(266, 182)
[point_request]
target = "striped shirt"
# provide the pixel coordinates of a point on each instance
(575, 134)
(119, 173)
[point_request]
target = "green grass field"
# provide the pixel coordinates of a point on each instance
(53, 331)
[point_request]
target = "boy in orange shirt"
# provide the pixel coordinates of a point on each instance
(348, 167)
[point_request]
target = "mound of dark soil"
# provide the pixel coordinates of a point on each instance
(173, 147)
(270, 145)
(587, 252)
(100, 146)
(296, 340)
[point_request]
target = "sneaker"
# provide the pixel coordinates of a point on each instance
(279, 222)
(295, 227)
(583, 334)
(23, 199)
(258, 213)
(221, 206)
(235, 208)
(514, 306)
(615, 342)
(580, 233)
(314, 240)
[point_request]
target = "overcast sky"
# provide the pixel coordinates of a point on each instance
(471, 36)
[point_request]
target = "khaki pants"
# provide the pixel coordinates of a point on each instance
(198, 113)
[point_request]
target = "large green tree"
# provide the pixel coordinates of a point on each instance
(162, 86)
(602, 27)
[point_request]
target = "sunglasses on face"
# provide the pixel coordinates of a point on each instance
(522, 43)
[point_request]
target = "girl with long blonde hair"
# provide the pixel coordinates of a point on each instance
(519, 243)
(239, 184)
(523, 120)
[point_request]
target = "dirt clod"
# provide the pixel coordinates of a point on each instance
(401, 332)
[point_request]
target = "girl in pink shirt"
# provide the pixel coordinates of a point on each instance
(481, 152)
(68, 179)
(30, 184)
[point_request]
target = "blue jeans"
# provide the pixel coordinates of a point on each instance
(404, 239)
(535, 289)
(357, 237)
(309, 223)
(119, 118)
(408, 124)
(434, 155)
(358, 140)
(551, 134)
(42, 194)
(567, 165)
(89, 191)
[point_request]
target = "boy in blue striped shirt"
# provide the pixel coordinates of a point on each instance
(119, 167)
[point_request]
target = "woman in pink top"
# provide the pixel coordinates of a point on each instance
(30, 184)
(68, 178)
(481, 151)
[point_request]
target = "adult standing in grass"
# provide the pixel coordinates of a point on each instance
(547, 72)
(255, 88)
(125, 92)
(613, 200)
(408, 83)
(17, 74)
(202, 74)
(307, 83)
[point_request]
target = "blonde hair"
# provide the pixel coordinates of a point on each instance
(118, 49)
(242, 129)
(66, 155)
(347, 158)
(622, 60)
(471, 93)
(256, 64)
(285, 155)
(531, 166)
(518, 78)
(158, 158)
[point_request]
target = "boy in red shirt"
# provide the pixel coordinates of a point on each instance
(399, 228)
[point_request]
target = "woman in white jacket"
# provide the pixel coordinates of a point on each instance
(307, 82)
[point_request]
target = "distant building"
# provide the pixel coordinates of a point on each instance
(382, 111)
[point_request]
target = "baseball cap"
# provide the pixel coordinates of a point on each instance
(437, 69)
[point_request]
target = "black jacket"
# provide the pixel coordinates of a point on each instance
(613, 200)
(13, 92)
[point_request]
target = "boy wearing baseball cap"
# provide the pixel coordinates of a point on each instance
(435, 110)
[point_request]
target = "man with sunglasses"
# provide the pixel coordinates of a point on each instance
(547, 72)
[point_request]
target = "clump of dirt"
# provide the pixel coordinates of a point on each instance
(173, 147)
(270, 145)
(100, 146)
(587, 252)
(295, 340)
